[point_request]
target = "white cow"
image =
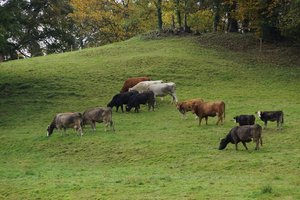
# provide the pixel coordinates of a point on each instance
(143, 86)
(163, 89)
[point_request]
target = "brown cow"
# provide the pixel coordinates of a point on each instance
(130, 82)
(209, 109)
(186, 106)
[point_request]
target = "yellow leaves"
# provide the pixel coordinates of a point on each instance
(201, 21)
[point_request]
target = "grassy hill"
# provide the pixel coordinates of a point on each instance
(152, 155)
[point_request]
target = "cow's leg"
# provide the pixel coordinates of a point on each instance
(106, 125)
(112, 127)
(200, 119)
(279, 125)
(257, 144)
(206, 118)
(266, 122)
(94, 125)
(218, 121)
(222, 120)
(174, 98)
(136, 108)
(236, 146)
(122, 108)
(80, 131)
(149, 106)
(244, 143)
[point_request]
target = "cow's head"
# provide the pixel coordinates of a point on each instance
(128, 108)
(50, 130)
(113, 102)
(235, 119)
(223, 144)
(258, 113)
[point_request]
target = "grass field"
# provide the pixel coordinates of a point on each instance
(151, 155)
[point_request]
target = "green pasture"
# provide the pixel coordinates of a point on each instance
(151, 155)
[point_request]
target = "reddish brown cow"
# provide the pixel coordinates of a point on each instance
(186, 106)
(130, 82)
(209, 109)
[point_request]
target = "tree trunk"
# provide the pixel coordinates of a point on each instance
(216, 9)
(159, 15)
(178, 14)
(232, 25)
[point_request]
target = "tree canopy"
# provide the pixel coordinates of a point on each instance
(38, 27)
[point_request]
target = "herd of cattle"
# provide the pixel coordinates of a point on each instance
(142, 90)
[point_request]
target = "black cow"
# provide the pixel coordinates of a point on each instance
(121, 99)
(244, 119)
(141, 98)
(272, 116)
(243, 134)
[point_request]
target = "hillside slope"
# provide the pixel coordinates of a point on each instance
(152, 155)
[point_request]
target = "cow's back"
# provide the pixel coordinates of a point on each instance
(93, 114)
(67, 119)
(107, 115)
(246, 132)
(130, 82)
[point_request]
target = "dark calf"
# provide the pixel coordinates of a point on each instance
(141, 98)
(120, 99)
(245, 119)
(272, 116)
(243, 134)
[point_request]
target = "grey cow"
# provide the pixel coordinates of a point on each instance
(163, 89)
(66, 120)
(98, 114)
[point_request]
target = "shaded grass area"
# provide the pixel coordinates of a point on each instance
(152, 155)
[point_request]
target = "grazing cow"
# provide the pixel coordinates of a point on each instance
(272, 116)
(243, 134)
(99, 114)
(64, 121)
(130, 82)
(209, 109)
(141, 98)
(186, 106)
(244, 119)
(143, 86)
(163, 89)
(121, 99)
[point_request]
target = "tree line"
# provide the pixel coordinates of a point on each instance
(38, 27)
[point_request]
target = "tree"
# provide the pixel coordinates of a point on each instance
(10, 28)
(34, 27)
(290, 22)
(158, 5)
(216, 10)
